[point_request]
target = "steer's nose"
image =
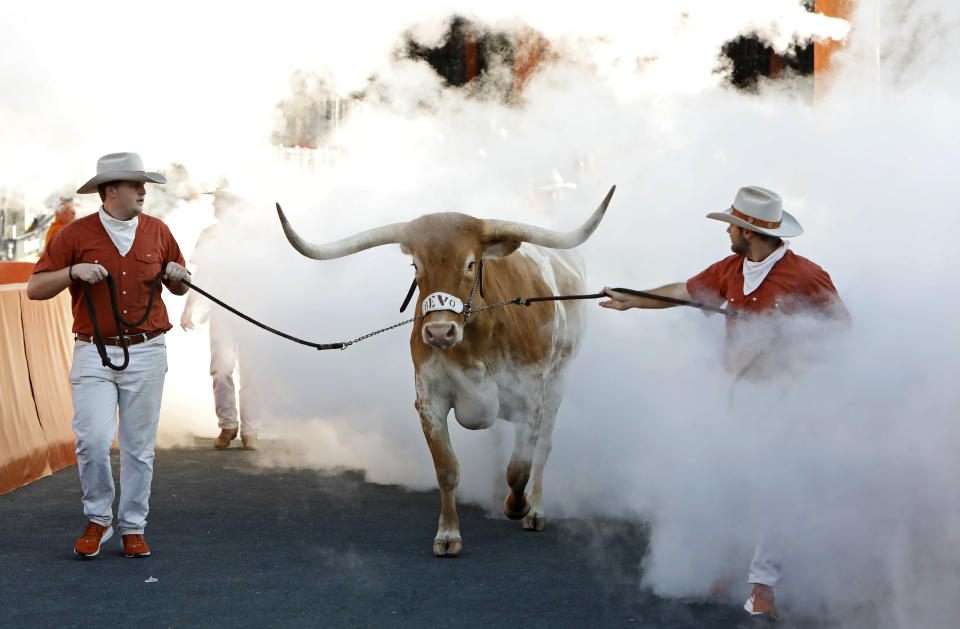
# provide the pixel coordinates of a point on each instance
(440, 334)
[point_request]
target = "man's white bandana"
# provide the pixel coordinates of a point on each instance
(755, 272)
(121, 233)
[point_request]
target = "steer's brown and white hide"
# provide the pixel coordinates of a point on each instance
(504, 363)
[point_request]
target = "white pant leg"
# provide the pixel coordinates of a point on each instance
(250, 398)
(97, 393)
(223, 359)
(140, 389)
(95, 425)
(766, 567)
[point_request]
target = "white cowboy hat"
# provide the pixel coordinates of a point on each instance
(759, 210)
(120, 167)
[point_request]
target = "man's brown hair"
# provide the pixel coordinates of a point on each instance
(102, 189)
(767, 238)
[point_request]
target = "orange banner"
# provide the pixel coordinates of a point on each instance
(36, 413)
(823, 50)
(15, 272)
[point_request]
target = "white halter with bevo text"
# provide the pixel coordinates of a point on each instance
(441, 301)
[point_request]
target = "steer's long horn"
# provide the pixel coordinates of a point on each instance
(383, 235)
(509, 230)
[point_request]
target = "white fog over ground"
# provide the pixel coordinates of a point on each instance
(855, 464)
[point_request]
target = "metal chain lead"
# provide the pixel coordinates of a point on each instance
(347, 344)
(516, 300)
(468, 309)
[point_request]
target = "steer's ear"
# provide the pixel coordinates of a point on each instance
(499, 248)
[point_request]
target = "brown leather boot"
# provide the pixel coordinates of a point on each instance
(223, 440)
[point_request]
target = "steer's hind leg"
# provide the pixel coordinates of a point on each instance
(447, 543)
(536, 520)
(516, 505)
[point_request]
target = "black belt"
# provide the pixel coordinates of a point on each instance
(131, 339)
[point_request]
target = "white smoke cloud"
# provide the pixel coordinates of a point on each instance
(854, 464)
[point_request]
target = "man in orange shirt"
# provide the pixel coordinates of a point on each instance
(63, 213)
(765, 279)
(133, 248)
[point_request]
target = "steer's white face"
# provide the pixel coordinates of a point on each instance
(445, 278)
(442, 332)
(446, 252)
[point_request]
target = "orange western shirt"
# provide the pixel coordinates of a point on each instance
(86, 240)
(793, 284)
(53, 229)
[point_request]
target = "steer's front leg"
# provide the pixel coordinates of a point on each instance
(433, 419)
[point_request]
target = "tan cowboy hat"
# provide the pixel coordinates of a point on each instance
(759, 210)
(120, 167)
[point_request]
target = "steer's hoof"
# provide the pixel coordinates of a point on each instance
(534, 521)
(447, 547)
(515, 508)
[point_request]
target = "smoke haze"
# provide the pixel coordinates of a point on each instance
(853, 465)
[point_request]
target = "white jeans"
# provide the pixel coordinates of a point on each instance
(225, 356)
(766, 567)
(98, 394)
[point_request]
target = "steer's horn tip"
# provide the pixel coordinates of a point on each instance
(606, 199)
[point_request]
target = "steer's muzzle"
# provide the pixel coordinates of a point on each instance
(442, 334)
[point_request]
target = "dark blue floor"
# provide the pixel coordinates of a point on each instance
(238, 546)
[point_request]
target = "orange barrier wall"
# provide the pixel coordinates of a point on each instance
(823, 50)
(15, 272)
(36, 412)
(531, 49)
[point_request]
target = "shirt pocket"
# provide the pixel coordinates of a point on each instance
(148, 265)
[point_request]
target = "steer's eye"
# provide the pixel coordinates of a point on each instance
(470, 265)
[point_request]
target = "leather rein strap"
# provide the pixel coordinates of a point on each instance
(526, 301)
(120, 321)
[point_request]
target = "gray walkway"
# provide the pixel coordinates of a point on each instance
(238, 546)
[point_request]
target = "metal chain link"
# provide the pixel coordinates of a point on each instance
(467, 313)
(347, 344)
(468, 310)
(515, 300)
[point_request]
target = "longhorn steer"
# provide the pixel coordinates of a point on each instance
(505, 363)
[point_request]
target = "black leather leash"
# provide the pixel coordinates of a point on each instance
(526, 301)
(120, 321)
(319, 346)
